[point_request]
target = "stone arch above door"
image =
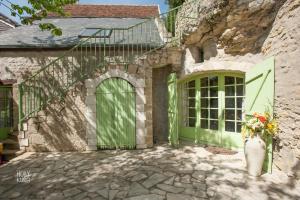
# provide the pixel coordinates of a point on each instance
(90, 113)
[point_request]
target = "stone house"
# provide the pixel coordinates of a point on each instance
(132, 79)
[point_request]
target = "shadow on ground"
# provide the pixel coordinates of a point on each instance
(189, 172)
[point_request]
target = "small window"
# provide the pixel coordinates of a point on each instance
(6, 107)
(201, 55)
(189, 103)
(95, 32)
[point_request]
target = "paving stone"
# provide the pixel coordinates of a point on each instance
(171, 196)
(154, 179)
(158, 191)
(55, 196)
(137, 189)
(114, 186)
(169, 188)
(200, 186)
(71, 192)
(170, 181)
(80, 196)
(199, 175)
(112, 194)
(121, 194)
(183, 185)
(103, 193)
(185, 179)
(139, 177)
(147, 197)
(14, 195)
(195, 192)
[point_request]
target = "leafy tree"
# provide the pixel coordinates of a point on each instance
(38, 10)
(174, 3)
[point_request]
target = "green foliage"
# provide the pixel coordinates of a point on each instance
(38, 10)
(174, 3)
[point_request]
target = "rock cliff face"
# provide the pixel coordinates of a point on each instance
(241, 29)
(237, 26)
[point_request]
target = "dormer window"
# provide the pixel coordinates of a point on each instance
(95, 33)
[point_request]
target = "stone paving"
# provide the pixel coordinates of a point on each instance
(187, 173)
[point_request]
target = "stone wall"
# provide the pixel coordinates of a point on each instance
(61, 126)
(283, 43)
(237, 34)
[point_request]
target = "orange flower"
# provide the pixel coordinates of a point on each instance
(262, 119)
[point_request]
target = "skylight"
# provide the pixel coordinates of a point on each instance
(88, 32)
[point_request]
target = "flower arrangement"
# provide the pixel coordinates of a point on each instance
(263, 124)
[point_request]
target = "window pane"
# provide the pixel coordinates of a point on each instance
(204, 102)
(204, 82)
(191, 84)
(229, 80)
(229, 102)
(238, 127)
(229, 114)
(192, 112)
(204, 113)
(229, 91)
(192, 122)
(239, 81)
(230, 126)
(214, 92)
(239, 90)
(239, 102)
(214, 124)
(204, 123)
(214, 103)
(204, 92)
(214, 113)
(239, 115)
(213, 81)
(192, 92)
(192, 102)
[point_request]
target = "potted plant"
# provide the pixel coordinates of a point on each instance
(256, 129)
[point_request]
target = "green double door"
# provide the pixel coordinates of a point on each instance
(115, 101)
(211, 108)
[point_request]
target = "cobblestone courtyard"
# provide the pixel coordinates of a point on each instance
(159, 173)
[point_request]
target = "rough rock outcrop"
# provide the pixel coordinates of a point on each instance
(237, 26)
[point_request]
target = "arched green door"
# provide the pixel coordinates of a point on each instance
(115, 114)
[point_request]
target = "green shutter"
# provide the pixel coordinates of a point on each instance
(172, 110)
(260, 96)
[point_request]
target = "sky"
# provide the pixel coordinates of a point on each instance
(161, 3)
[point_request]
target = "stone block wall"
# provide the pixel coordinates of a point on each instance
(62, 126)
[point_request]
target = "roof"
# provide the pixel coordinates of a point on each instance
(110, 11)
(33, 37)
(6, 23)
(8, 20)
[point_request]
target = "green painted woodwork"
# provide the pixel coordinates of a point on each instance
(173, 110)
(218, 137)
(260, 87)
(124, 46)
(6, 111)
(115, 102)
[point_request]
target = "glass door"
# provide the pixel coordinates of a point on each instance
(211, 108)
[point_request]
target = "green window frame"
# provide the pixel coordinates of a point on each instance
(189, 103)
(6, 107)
